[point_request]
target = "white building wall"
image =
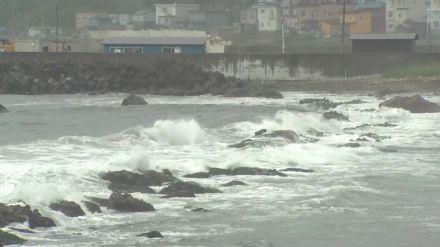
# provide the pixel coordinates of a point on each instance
(268, 18)
(399, 11)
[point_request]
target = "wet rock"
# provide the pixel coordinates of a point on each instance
(414, 104)
(324, 104)
(103, 202)
(22, 230)
(92, 207)
(126, 203)
(10, 239)
(234, 183)
(354, 102)
(297, 170)
(152, 234)
(133, 100)
(146, 178)
(335, 115)
(198, 175)
(186, 189)
(257, 171)
(388, 150)
(36, 220)
(129, 188)
(219, 171)
(371, 136)
(200, 210)
(384, 92)
(3, 109)
(350, 145)
(21, 214)
(385, 125)
(288, 135)
(167, 172)
(263, 140)
(260, 132)
(68, 208)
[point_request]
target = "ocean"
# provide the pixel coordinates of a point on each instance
(384, 193)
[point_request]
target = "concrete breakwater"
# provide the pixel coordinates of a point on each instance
(220, 74)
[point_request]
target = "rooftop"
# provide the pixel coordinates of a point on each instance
(155, 40)
(385, 36)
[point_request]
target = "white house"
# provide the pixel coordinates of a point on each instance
(169, 14)
(268, 16)
(400, 11)
(42, 32)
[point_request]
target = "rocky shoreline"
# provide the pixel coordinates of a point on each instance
(161, 76)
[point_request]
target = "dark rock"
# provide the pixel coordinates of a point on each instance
(263, 140)
(324, 104)
(126, 203)
(198, 175)
(129, 188)
(260, 132)
(335, 115)
(22, 230)
(388, 150)
(234, 183)
(146, 178)
(384, 92)
(414, 104)
(350, 145)
(3, 109)
(134, 100)
(297, 170)
(103, 202)
(219, 172)
(68, 208)
(21, 214)
(92, 207)
(177, 189)
(257, 171)
(354, 102)
(167, 172)
(36, 220)
(179, 193)
(386, 125)
(288, 135)
(10, 239)
(200, 210)
(152, 234)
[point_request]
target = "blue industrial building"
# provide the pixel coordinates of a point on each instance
(155, 45)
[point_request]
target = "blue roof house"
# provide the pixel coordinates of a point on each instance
(155, 45)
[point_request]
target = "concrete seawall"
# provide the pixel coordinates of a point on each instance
(266, 67)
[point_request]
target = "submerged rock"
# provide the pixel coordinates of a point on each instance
(10, 239)
(260, 132)
(297, 170)
(152, 234)
(350, 145)
(324, 103)
(92, 207)
(133, 100)
(126, 203)
(335, 115)
(354, 102)
(3, 109)
(200, 210)
(257, 171)
(68, 208)
(186, 189)
(414, 104)
(234, 183)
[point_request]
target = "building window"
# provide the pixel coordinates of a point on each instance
(171, 50)
(126, 50)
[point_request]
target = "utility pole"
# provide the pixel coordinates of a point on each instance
(283, 37)
(57, 28)
(343, 25)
